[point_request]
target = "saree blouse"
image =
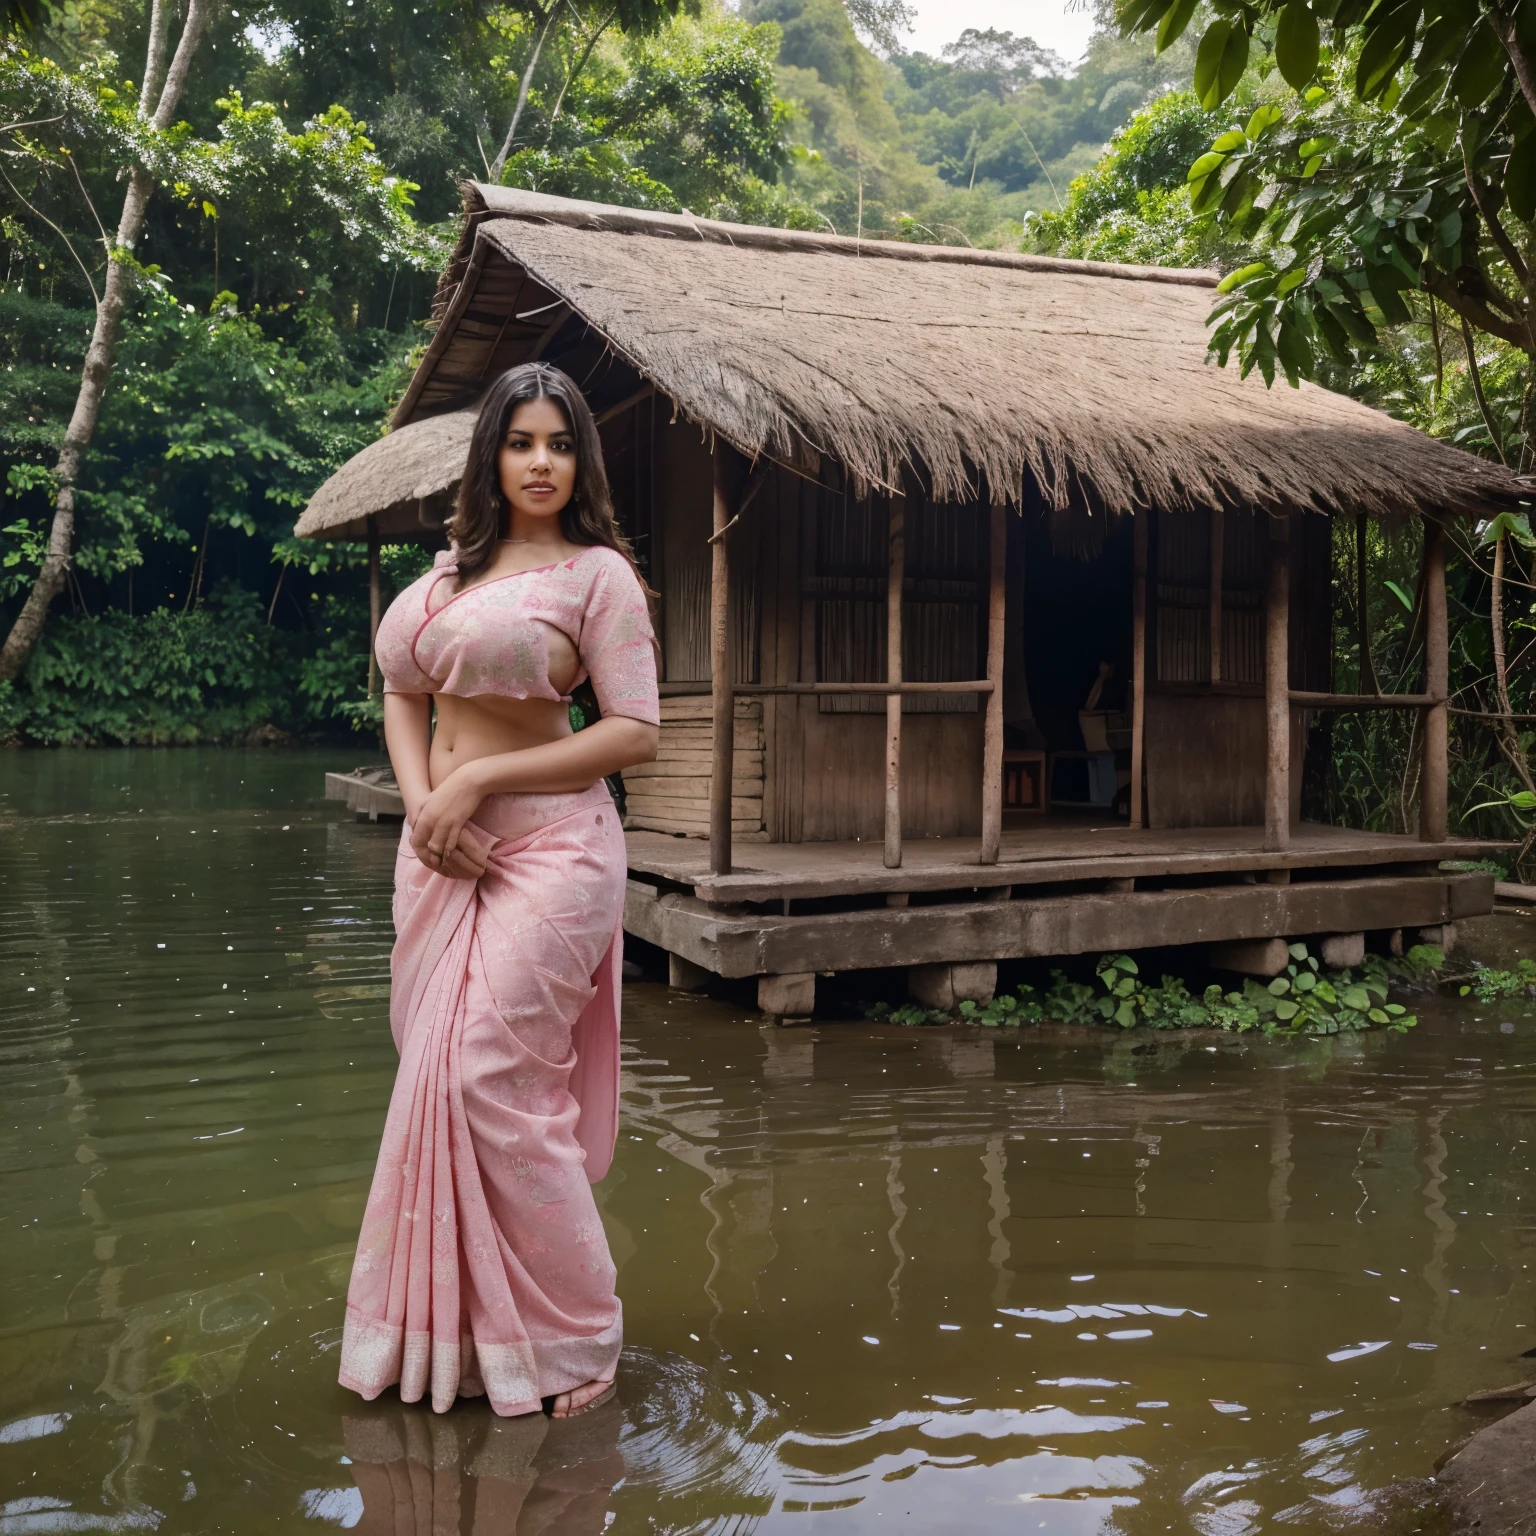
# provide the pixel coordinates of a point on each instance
(491, 637)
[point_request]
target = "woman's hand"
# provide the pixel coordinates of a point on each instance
(438, 833)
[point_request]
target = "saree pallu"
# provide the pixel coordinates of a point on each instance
(482, 1266)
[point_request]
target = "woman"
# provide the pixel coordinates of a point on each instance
(482, 1266)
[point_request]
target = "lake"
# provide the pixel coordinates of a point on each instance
(1056, 1280)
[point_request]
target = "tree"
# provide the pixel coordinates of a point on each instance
(1402, 160)
(160, 91)
(1388, 170)
(634, 16)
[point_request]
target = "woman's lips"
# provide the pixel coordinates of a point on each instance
(539, 490)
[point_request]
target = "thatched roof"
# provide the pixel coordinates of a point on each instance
(982, 372)
(406, 480)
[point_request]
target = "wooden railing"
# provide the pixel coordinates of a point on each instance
(1281, 700)
(724, 691)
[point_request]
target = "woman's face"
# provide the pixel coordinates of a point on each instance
(537, 465)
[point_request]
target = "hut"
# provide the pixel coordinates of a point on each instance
(995, 621)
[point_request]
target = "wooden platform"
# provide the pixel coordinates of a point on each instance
(1064, 885)
(371, 792)
(1036, 850)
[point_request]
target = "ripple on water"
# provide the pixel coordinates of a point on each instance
(686, 1431)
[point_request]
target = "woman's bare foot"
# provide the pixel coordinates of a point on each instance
(581, 1399)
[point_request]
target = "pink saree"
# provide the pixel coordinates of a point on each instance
(482, 1266)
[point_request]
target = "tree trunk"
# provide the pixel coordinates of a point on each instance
(1505, 29)
(498, 165)
(102, 350)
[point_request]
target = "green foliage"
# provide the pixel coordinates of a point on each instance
(1386, 161)
(1302, 1000)
(954, 149)
(220, 424)
(682, 117)
(176, 678)
(1133, 206)
(1489, 985)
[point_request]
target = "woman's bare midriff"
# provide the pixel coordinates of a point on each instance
(487, 725)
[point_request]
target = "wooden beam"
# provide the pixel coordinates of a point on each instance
(1217, 564)
(723, 748)
(1360, 700)
(895, 586)
(1138, 672)
(1433, 787)
(982, 686)
(641, 395)
(1277, 687)
(992, 729)
(1033, 876)
(743, 690)
(1083, 922)
(375, 604)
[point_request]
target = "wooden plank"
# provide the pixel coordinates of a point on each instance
(747, 832)
(700, 707)
(683, 807)
(1217, 561)
(762, 886)
(768, 944)
(1205, 760)
(992, 728)
(690, 736)
(1051, 855)
(365, 797)
(749, 689)
(695, 764)
(1277, 686)
(1361, 700)
(721, 770)
(1434, 786)
(1138, 672)
(696, 788)
(895, 585)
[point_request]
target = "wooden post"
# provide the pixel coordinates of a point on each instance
(1218, 560)
(1368, 682)
(375, 604)
(722, 761)
(1139, 669)
(1277, 688)
(1433, 787)
(895, 586)
(992, 730)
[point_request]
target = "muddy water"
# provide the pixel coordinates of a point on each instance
(946, 1279)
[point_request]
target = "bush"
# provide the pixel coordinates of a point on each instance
(164, 678)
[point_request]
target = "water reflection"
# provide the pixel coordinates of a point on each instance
(423, 1474)
(1037, 1280)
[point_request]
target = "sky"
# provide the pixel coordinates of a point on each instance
(1049, 22)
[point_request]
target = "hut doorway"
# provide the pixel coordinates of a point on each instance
(1070, 637)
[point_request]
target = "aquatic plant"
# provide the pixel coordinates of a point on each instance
(1490, 985)
(1302, 1000)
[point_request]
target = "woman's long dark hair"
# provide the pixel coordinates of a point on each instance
(482, 513)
